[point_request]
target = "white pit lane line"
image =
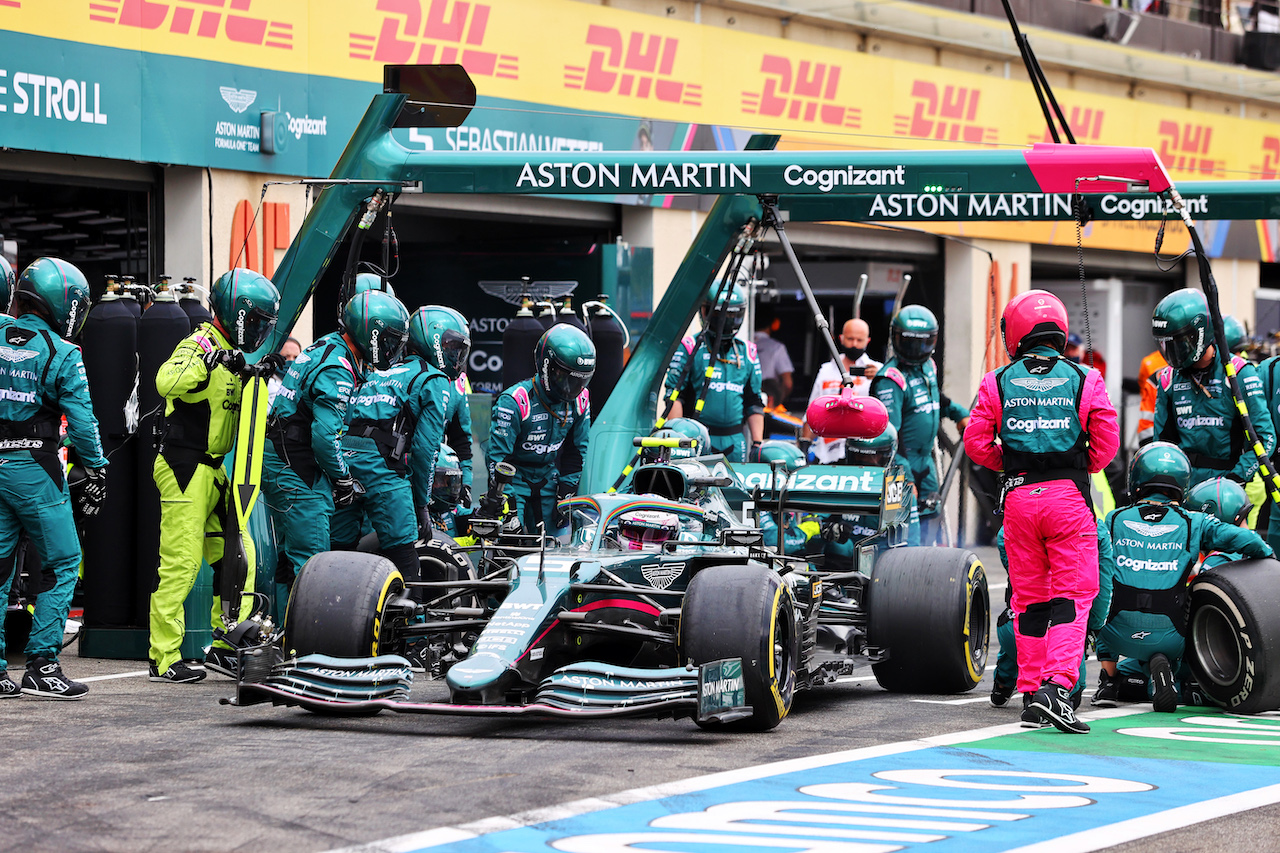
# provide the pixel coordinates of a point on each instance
(1082, 842)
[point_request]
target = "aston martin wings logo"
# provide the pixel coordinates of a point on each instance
(238, 99)
(1040, 385)
(662, 575)
(1144, 529)
(511, 291)
(16, 355)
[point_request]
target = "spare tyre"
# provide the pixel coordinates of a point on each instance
(1233, 635)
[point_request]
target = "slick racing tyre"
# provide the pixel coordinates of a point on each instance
(929, 615)
(744, 612)
(1233, 636)
(338, 603)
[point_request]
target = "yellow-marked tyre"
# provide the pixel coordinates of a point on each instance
(337, 605)
(1233, 638)
(929, 614)
(744, 612)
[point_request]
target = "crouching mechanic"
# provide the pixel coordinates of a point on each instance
(1194, 405)
(304, 474)
(732, 394)
(1227, 501)
(202, 384)
(908, 387)
(1055, 425)
(534, 418)
(51, 302)
(1157, 544)
(395, 426)
(842, 533)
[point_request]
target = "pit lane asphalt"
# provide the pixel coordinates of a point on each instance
(139, 766)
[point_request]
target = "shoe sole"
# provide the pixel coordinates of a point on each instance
(1027, 725)
(160, 679)
(1103, 703)
(1075, 727)
(1164, 697)
(221, 670)
(57, 697)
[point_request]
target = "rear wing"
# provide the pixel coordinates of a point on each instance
(822, 489)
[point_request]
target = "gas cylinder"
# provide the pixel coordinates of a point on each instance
(546, 315)
(162, 328)
(609, 336)
(191, 304)
(109, 344)
(566, 315)
(518, 340)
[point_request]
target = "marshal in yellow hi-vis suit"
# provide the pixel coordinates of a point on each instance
(202, 383)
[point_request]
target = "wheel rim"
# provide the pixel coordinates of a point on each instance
(979, 629)
(784, 645)
(1216, 645)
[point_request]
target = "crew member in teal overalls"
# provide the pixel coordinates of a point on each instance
(539, 419)
(1157, 544)
(41, 380)
(448, 339)
(732, 395)
(1194, 406)
(907, 384)
(1226, 501)
(304, 474)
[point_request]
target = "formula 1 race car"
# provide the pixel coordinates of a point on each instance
(664, 602)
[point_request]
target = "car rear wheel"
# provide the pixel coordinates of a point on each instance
(1233, 637)
(338, 605)
(929, 614)
(744, 612)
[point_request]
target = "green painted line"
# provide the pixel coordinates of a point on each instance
(1190, 734)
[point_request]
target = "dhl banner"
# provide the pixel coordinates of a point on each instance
(184, 81)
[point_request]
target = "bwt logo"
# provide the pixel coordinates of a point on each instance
(805, 93)
(151, 15)
(1085, 124)
(1183, 148)
(452, 27)
(644, 69)
(949, 115)
(1270, 168)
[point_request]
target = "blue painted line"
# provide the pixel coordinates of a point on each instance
(940, 798)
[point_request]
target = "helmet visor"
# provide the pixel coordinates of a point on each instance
(1182, 348)
(564, 384)
(386, 347)
(446, 487)
(646, 531)
(454, 349)
(914, 347)
(253, 327)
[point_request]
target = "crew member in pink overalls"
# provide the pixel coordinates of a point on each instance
(1048, 424)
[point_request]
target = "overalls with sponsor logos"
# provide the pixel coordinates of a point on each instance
(1196, 412)
(916, 405)
(304, 454)
(1156, 545)
(395, 426)
(1050, 529)
(732, 394)
(529, 432)
(1269, 371)
(457, 430)
(41, 378)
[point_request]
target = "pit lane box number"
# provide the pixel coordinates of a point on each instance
(722, 696)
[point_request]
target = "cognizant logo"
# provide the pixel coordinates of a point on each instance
(828, 179)
(1146, 565)
(1033, 424)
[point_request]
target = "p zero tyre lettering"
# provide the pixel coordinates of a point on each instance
(1233, 635)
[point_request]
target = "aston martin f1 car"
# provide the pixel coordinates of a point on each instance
(663, 602)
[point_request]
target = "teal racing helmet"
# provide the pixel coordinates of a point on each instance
(441, 336)
(377, 326)
(1159, 467)
(57, 291)
(245, 305)
(914, 332)
(726, 300)
(689, 428)
(878, 452)
(1237, 335)
(774, 450)
(564, 360)
(369, 281)
(1180, 325)
(7, 280)
(446, 483)
(1221, 497)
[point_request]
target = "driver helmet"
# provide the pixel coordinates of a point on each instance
(245, 305)
(564, 360)
(875, 452)
(689, 428)
(647, 529)
(773, 449)
(914, 331)
(446, 484)
(1159, 468)
(726, 300)
(1223, 498)
(1180, 325)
